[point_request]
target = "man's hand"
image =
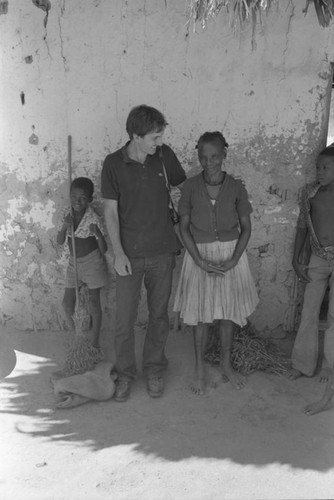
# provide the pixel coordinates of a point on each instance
(122, 265)
(301, 271)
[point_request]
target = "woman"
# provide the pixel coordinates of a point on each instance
(215, 281)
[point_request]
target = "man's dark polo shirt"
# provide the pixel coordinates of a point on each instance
(140, 189)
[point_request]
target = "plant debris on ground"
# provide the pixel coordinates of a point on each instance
(250, 351)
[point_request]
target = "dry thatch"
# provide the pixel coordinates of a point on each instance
(240, 11)
(250, 352)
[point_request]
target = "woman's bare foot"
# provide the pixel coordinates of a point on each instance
(317, 407)
(237, 380)
(217, 378)
(198, 386)
(324, 375)
(294, 374)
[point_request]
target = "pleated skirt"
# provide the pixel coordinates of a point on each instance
(202, 297)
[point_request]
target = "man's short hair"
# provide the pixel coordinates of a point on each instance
(85, 184)
(143, 120)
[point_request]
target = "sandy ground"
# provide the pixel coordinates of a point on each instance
(251, 444)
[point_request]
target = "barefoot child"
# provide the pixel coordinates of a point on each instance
(90, 246)
(215, 281)
(316, 220)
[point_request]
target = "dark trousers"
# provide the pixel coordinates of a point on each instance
(157, 273)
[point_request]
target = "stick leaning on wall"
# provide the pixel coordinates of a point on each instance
(82, 356)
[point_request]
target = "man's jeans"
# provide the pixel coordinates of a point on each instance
(157, 273)
(306, 346)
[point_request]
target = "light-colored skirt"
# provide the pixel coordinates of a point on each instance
(202, 297)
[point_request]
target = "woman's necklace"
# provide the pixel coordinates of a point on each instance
(216, 183)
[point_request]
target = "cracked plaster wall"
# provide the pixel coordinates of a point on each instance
(79, 67)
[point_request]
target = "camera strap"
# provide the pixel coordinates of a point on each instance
(166, 179)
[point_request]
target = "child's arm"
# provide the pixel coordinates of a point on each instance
(101, 242)
(61, 236)
(301, 269)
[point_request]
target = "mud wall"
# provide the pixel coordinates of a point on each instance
(74, 67)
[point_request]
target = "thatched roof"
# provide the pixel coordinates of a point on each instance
(240, 11)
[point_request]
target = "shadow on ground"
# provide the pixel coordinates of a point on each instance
(260, 425)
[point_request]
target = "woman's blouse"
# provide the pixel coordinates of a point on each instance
(219, 221)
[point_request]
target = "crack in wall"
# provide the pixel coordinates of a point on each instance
(62, 11)
(287, 35)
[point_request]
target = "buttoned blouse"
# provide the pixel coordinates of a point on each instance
(219, 221)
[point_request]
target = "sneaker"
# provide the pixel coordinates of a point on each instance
(122, 391)
(155, 386)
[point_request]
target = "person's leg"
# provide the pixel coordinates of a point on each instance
(96, 315)
(306, 346)
(328, 361)
(158, 283)
(200, 332)
(325, 403)
(226, 330)
(69, 307)
(127, 299)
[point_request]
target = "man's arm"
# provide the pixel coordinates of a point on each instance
(121, 262)
(176, 174)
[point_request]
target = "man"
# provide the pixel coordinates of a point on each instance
(136, 208)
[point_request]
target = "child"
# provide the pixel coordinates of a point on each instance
(215, 281)
(316, 220)
(90, 246)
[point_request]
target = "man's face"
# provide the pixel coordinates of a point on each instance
(325, 170)
(149, 143)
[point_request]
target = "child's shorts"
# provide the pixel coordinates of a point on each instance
(92, 271)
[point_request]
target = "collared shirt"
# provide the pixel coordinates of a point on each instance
(140, 189)
(219, 221)
(83, 229)
(305, 222)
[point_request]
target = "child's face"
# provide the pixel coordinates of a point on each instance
(79, 199)
(211, 157)
(325, 170)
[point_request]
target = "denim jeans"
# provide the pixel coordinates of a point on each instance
(306, 346)
(157, 273)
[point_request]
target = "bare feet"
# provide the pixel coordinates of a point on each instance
(324, 375)
(218, 377)
(317, 407)
(198, 386)
(237, 380)
(294, 374)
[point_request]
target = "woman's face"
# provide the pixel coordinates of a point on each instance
(211, 156)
